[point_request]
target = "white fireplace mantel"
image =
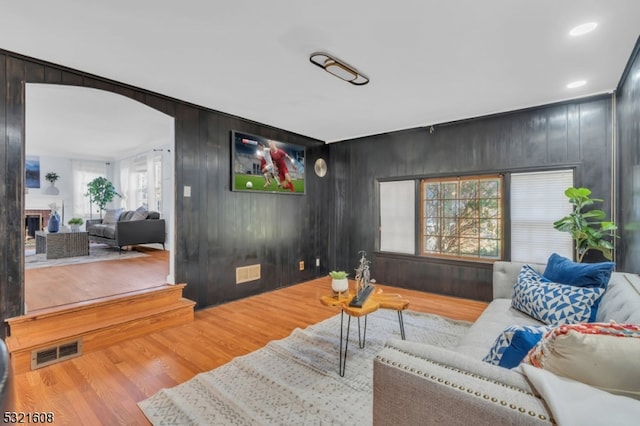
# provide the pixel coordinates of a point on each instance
(42, 202)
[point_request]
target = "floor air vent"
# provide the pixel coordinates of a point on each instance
(51, 355)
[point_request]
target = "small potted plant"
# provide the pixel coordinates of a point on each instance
(75, 223)
(52, 177)
(339, 282)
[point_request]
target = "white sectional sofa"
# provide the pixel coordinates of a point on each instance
(420, 384)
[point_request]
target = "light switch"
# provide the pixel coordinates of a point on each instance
(187, 191)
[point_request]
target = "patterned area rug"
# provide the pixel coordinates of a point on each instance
(97, 253)
(295, 380)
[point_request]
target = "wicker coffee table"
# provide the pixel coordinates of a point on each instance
(62, 244)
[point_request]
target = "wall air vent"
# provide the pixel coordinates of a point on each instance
(247, 273)
(51, 355)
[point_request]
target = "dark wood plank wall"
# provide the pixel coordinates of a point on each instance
(628, 120)
(220, 230)
(216, 229)
(11, 187)
(573, 134)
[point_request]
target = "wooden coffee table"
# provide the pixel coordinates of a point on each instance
(377, 300)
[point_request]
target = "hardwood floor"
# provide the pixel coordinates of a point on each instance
(52, 287)
(104, 387)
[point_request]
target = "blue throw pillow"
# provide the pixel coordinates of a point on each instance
(514, 343)
(564, 271)
(554, 303)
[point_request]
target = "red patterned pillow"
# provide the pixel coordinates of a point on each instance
(604, 355)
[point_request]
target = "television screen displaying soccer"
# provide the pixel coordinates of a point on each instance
(260, 164)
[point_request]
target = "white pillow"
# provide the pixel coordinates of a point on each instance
(575, 404)
(111, 216)
(604, 355)
(140, 214)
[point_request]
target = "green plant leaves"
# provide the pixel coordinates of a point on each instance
(587, 228)
(101, 191)
(338, 275)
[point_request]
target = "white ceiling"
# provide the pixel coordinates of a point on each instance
(429, 61)
(84, 123)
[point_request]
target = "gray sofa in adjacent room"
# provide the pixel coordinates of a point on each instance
(419, 384)
(128, 228)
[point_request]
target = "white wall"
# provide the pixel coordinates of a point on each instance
(37, 199)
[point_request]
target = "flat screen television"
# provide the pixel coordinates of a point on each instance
(260, 164)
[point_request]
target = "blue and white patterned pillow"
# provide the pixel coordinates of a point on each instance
(514, 343)
(554, 303)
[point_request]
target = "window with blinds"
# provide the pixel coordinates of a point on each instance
(397, 216)
(538, 200)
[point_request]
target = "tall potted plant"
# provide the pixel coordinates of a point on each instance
(101, 191)
(587, 227)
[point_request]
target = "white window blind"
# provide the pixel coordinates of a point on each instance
(538, 200)
(141, 181)
(397, 216)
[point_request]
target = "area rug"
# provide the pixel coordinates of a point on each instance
(97, 253)
(295, 381)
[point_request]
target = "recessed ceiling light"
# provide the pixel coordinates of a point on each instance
(583, 28)
(575, 84)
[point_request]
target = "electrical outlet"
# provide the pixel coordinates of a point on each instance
(302, 265)
(317, 262)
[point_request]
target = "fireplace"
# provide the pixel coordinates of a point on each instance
(36, 220)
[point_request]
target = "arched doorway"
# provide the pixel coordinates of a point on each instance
(77, 132)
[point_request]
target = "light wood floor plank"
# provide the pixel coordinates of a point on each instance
(62, 285)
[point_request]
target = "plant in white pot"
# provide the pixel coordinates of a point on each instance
(339, 282)
(75, 223)
(52, 177)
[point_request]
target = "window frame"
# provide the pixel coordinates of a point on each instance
(502, 217)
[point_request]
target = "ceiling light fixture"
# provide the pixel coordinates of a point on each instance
(583, 29)
(576, 84)
(338, 68)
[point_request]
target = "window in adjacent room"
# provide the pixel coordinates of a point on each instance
(157, 181)
(141, 181)
(538, 200)
(462, 217)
